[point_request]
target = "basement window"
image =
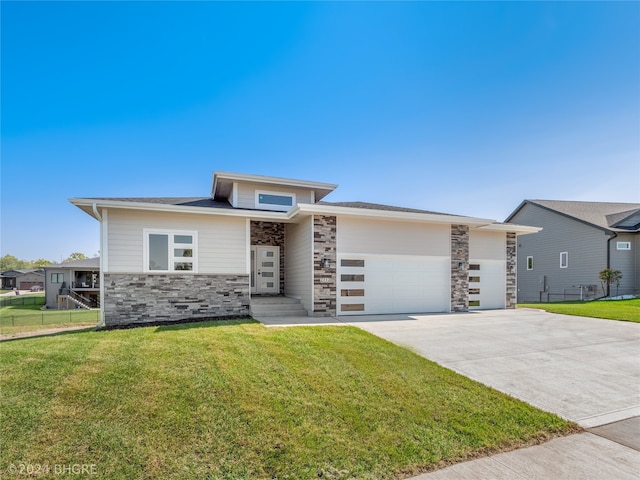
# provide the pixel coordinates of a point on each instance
(170, 251)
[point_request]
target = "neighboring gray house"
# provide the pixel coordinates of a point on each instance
(577, 241)
(23, 279)
(272, 246)
(73, 284)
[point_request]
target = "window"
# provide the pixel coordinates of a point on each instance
(170, 251)
(352, 292)
(351, 263)
(275, 201)
(57, 277)
(352, 307)
(474, 266)
(623, 246)
(564, 260)
(352, 278)
(474, 279)
(474, 291)
(474, 303)
(529, 263)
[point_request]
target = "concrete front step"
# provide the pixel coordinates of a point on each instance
(276, 307)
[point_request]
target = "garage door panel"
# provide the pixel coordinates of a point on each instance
(399, 284)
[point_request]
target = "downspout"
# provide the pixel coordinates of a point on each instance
(99, 217)
(611, 237)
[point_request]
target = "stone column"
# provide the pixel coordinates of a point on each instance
(511, 271)
(324, 277)
(459, 268)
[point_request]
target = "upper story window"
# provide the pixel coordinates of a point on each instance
(623, 246)
(275, 200)
(57, 277)
(170, 251)
(564, 259)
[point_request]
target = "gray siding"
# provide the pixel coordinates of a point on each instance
(627, 262)
(52, 289)
(586, 246)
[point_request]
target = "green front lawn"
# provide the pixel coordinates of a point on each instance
(628, 310)
(236, 400)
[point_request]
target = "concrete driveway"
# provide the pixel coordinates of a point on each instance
(583, 369)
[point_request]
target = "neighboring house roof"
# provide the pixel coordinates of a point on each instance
(93, 263)
(17, 273)
(609, 216)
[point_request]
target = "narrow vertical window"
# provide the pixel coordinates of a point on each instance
(564, 259)
(529, 263)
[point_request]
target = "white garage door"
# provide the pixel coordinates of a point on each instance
(487, 284)
(375, 284)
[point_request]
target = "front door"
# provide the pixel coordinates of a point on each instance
(265, 270)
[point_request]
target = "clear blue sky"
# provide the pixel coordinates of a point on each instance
(465, 108)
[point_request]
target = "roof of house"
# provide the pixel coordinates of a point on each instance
(378, 206)
(93, 263)
(614, 217)
(16, 273)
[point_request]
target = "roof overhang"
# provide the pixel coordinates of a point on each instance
(223, 181)
(95, 207)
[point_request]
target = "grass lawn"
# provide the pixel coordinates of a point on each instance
(628, 310)
(236, 400)
(24, 315)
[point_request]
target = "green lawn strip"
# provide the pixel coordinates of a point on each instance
(627, 310)
(237, 400)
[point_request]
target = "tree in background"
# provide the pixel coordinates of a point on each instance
(9, 262)
(76, 256)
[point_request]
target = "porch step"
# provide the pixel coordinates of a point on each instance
(277, 307)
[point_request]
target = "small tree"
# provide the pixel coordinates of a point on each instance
(609, 276)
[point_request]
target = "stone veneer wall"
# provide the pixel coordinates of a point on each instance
(459, 278)
(511, 271)
(324, 279)
(270, 234)
(144, 298)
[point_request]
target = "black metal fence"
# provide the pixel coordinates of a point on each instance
(22, 300)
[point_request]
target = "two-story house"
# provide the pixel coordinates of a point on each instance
(578, 240)
(176, 259)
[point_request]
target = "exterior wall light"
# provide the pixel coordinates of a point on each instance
(325, 262)
(462, 266)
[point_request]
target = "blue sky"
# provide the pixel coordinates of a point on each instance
(464, 108)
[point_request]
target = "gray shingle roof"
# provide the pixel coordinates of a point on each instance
(377, 206)
(205, 202)
(617, 217)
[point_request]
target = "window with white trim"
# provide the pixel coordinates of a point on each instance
(529, 263)
(275, 200)
(564, 259)
(623, 246)
(170, 251)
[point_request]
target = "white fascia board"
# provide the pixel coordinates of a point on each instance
(158, 207)
(511, 227)
(388, 214)
(244, 177)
